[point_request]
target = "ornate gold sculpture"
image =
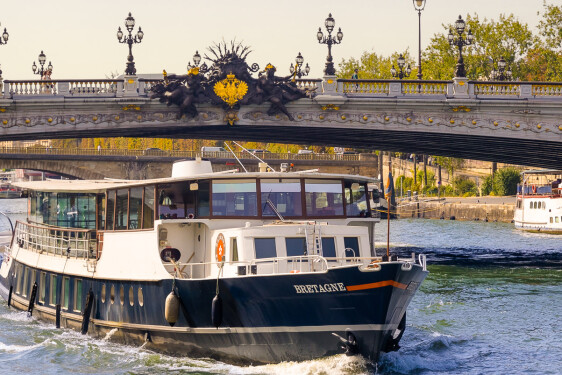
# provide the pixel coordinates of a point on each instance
(231, 90)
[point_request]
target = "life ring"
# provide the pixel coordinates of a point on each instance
(295, 271)
(534, 188)
(219, 248)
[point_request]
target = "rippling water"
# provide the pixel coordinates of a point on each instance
(492, 304)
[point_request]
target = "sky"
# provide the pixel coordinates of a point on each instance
(79, 37)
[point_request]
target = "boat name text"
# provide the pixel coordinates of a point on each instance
(320, 288)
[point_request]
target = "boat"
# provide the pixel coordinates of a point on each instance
(256, 267)
(8, 190)
(539, 202)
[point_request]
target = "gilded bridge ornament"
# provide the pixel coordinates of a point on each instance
(231, 90)
(228, 82)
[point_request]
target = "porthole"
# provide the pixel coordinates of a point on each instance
(544, 205)
(131, 296)
(103, 293)
(112, 294)
(539, 204)
(122, 295)
(141, 297)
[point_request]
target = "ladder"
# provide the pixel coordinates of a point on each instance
(313, 239)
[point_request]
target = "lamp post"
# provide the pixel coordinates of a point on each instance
(401, 74)
(460, 42)
(296, 70)
(503, 73)
(196, 61)
(329, 40)
(130, 40)
(419, 5)
(5, 37)
(41, 71)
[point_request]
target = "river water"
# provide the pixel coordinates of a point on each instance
(492, 304)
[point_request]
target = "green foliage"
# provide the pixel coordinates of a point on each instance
(487, 185)
(464, 187)
(506, 180)
(372, 66)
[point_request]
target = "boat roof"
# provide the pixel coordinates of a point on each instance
(542, 171)
(100, 186)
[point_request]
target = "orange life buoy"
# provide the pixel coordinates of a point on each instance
(295, 271)
(534, 188)
(219, 248)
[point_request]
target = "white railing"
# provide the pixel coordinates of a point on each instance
(75, 243)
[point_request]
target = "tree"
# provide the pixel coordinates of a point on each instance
(373, 66)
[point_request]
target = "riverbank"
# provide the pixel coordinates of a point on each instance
(497, 209)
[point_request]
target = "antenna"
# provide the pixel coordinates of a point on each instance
(235, 157)
(254, 155)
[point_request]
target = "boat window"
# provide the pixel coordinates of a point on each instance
(112, 294)
(25, 281)
(70, 210)
(170, 201)
(557, 219)
(101, 212)
(329, 247)
(131, 296)
(110, 214)
(351, 246)
(234, 198)
(140, 297)
(539, 203)
(531, 205)
(32, 280)
(65, 292)
(355, 199)
(78, 295)
(551, 220)
(265, 248)
(234, 247)
(53, 290)
(103, 293)
(295, 246)
(19, 274)
(203, 199)
(284, 194)
(135, 207)
(122, 295)
(121, 206)
(323, 198)
(42, 281)
(544, 205)
(148, 208)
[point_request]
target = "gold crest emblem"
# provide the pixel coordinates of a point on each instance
(231, 90)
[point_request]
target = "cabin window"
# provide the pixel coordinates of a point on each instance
(110, 212)
(25, 281)
(544, 205)
(234, 247)
(328, 247)
(103, 293)
(53, 290)
(539, 204)
(135, 207)
(131, 296)
(43, 282)
(551, 220)
(351, 246)
(140, 297)
(148, 208)
(101, 212)
(284, 194)
(65, 292)
(265, 248)
(296, 246)
(78, 295)
(530, 205)
(203, 199)
(32, 280)
(121, 206)
(112, 294)
(234, 198)
(557, 219)
(355, 199)
(121, 295)
(19, 275)
(323, 197)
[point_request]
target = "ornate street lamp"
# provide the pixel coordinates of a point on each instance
(130, 40)
(42, 59)
(401, 74)
(460, 42)
(5, 37)
(329, 40)
(503, 73)
(196, 61)
(419, 5)
(296, 70)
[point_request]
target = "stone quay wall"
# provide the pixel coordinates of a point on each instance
(457, 211)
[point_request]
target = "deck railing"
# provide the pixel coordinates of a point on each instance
(71, 242)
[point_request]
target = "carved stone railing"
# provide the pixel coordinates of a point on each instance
(140, 87)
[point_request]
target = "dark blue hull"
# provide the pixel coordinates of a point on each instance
(265, 319)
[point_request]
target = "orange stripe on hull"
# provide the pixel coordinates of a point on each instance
(380, 284)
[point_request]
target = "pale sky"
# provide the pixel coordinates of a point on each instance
(79, 37)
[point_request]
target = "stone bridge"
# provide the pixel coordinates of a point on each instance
(509, 122)
(147, 164)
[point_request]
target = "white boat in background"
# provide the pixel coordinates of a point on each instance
(539, 202)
